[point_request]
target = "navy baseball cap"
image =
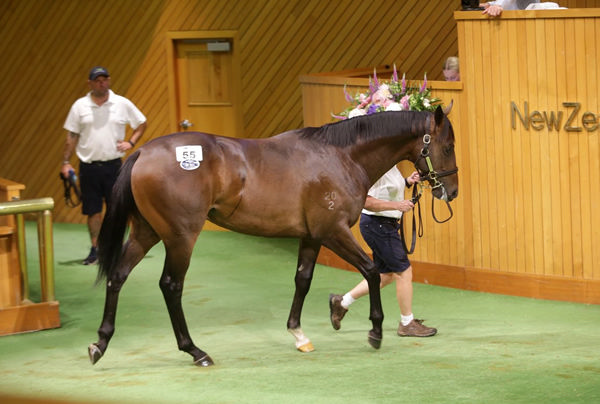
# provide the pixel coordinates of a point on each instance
(98, 71)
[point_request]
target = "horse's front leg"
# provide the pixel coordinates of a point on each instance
(307, 256)
(345, 245)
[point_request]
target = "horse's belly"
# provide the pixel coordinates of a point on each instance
(261, 224)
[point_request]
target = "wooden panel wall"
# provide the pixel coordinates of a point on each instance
(534, 189)
(48, 47)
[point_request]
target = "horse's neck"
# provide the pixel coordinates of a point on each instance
(378, 156)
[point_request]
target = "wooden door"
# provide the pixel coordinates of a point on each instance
(207, 86)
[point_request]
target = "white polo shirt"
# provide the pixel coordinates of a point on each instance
(100, 127)
(390, 187)
(513, 4)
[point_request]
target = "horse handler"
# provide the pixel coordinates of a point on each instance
(379, 227)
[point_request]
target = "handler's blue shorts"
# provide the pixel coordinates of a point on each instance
(96, 180)
(381, 234)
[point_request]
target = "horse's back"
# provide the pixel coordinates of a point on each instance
(280, 186)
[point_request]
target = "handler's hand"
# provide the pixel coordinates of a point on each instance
(413, 178)
(405, 205)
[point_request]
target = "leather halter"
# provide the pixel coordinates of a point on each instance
(433, 177)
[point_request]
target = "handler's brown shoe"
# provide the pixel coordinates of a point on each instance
(416, 329)
(336, 311)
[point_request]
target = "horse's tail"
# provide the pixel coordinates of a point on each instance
(114, 225)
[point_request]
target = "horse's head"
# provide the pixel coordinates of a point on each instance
(437, 161)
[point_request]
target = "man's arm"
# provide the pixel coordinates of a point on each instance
(135, 137)
(70, 144)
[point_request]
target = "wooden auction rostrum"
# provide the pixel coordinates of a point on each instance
(17, 312)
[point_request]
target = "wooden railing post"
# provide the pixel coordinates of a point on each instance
(22, 249)
(24, 315)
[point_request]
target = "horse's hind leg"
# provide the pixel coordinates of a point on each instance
(178, 253)
(307, 256)
(141, 239)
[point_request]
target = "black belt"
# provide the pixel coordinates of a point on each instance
(384, 218)
(103, 163)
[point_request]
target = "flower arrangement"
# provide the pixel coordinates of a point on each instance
(389, 96)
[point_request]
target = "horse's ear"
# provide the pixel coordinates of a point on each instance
(439, 115)
(448, 108)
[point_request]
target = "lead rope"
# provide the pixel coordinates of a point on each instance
(70, 183)
(415, 200)
(433, 211)
(416, 196)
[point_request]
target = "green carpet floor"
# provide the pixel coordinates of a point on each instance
(489, 349)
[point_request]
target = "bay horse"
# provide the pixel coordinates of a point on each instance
(309, 183)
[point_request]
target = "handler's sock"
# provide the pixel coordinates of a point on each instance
(347, 300)
(405, 320)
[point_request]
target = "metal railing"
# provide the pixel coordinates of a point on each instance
(43, 208)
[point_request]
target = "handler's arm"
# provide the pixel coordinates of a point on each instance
(378, 205)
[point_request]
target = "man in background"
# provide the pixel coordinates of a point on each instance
(96, 126)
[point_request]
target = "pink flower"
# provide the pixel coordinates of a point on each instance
(364, 100)
(382, 96)
(338, 117)
(404, 102)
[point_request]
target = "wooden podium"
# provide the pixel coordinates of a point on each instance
(526, 118)
(17, 312)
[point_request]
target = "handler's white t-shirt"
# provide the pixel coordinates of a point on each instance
(100, 127)
(390, 187)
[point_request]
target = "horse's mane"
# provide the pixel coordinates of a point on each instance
(366, 127)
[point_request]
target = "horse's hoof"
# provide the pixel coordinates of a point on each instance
(308, 347)
(205, 361)
(374, 340)
(95, 353)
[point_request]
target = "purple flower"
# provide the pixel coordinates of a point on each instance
(403, 90)
(375, 81)
(424, 86)
(395, 75)
(348, 96)
(372, 86)
(372, 109)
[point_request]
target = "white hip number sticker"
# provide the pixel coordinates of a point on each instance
(188, 153)
(189, 157)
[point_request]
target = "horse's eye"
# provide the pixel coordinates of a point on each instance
(448, 149)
